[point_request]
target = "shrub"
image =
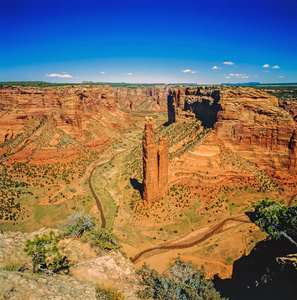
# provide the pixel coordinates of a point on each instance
(78, 223)
(72, 189)
(277, 219)
(104, 239)
(108, 293)
(182, 281)
(45, 254)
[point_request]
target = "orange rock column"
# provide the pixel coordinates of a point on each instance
(150, 164)
(163, 163)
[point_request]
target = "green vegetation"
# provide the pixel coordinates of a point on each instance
(182, 281)
(42, 84)
(13, 266)
(108, 293)
(277, 219)
(103, 239)
(78, 223)
(45, 254)
(10, 191)
(282, 92)
(83, 225)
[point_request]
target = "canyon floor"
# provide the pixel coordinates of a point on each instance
(201, 218)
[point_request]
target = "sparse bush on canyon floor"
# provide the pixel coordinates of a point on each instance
(182, 281)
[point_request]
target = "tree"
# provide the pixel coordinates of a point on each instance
(182, 281)
(45, 254)
(277, 219)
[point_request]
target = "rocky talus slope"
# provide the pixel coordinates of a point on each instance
(88, 270)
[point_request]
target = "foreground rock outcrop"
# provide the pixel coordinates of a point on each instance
(88, 270)
(19, 286)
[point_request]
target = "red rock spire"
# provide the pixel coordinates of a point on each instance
(155, 164)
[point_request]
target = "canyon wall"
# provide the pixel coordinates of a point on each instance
(150, 98)
(203, 102)
(155, 165)
(67, 106)
(246, 119)
(54, 119)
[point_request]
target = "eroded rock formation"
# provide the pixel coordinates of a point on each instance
(141, 98)
(82, 117)
(68, 106)
(246, 119)
(201, 101)
(155, 164)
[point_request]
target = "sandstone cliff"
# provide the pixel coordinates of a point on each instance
(247, 120)
(81, 117)
(151, 98)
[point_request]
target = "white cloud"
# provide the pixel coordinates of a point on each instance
(59, 75)
(189, 71)
(275, 67)
(215, 67)
(239, 75)
(280, 76)
(265, 66)
(265, 71)
(256, 75)
(229, 63)
(102, 72)
(129, 74)
(228, 77)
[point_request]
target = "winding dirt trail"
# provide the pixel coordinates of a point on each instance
(196, 240)
(98, 203)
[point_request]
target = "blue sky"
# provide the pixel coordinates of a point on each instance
(149, 41)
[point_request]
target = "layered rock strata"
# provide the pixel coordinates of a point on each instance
(46, 121)
(155, 165)
(248, 120)
(67, 106)
(141, 98)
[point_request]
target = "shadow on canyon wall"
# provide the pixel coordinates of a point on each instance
(262, 274)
